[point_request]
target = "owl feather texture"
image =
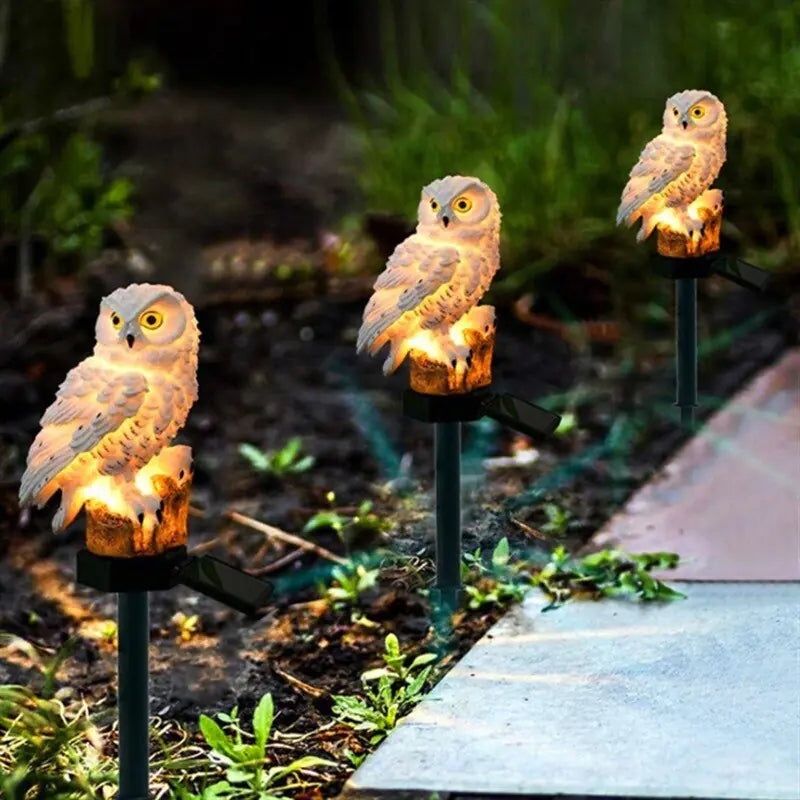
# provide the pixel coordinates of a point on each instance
(678, 166)
(116, 412)
(429, 291)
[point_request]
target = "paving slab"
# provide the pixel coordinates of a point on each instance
(697, 698)
(729, 501)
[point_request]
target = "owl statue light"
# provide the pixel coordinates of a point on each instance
(425, 302)
(669, 186)
(104, 442)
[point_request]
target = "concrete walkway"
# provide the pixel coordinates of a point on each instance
(697, 698)
(729, 501)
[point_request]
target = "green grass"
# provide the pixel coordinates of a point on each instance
(551, 102)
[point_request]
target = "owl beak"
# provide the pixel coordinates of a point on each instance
(445, 220)
(684, 122)
(130, 339)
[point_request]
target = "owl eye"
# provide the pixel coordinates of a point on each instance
(434, 205)
(675, 111)
(698, 112)
(462, 204)
(151, 319)
(116, 321)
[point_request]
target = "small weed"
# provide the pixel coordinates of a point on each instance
(108, 631)
(50, 745)
(568, 424)
(347, 526)
(244, 757)
(557, 519)
(608, 573)
(187, 626)
(280, 463)
(389, 692)
(350, 582)
(497, 584)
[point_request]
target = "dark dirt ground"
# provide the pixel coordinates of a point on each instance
(272, 370)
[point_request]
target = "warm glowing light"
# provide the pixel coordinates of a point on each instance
(677, 167)
(426, 299)
(105, 438)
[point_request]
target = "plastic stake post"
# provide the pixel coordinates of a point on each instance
(447, 446)
(686, 348)
(134, 702)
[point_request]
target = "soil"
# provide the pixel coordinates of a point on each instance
(271, 371)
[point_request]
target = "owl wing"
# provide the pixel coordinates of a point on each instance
(660, 163)
(414, 271)
(91, 403)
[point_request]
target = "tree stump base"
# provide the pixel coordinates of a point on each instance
(429, 376)
(109, 534)
(708, 210)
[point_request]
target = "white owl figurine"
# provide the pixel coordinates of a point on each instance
(677, 166)
(107, 432)
(428, 293)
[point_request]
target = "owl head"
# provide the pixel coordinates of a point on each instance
(458, 203)
(147, 321)
(693, 113)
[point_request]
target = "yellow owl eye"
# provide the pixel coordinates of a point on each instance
(151, 319)
(462, 204)
(698, 112)
(116, 321)
(434, 205)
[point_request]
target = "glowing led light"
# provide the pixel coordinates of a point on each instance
(426, 299)
(677, 167)
(105, 438)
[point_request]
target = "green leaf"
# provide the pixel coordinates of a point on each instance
(298, 765)
(238, 775)
(256, 457)
(501, 554)
(392, 645)
(415, 687)
(262, 721)
(324, 519)
(422, 659)
(215, 737)
(375, 674)
(304, 464)
(569, 422)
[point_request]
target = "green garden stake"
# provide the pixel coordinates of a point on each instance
(686, 349)
(447, 454)
(425, 307)
(133, 702)
(669, 191)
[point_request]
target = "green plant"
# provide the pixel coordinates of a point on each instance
(608, 573)
(558, 519)
(244, 756)
(186, 625)
(568, 424)
(60, 195)
(347, 526)
(50, 744)
(502, 96)
(351, 581)
(286, 460)
(497, 584)
(388, 692)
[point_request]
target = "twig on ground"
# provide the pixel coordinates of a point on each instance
(283, 536)
(279, 563)
(272, 532)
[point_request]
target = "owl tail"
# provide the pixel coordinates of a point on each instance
(71, 503)
(648, 224)
(397, 355)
